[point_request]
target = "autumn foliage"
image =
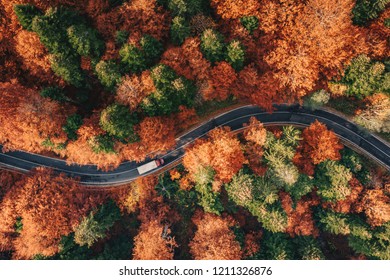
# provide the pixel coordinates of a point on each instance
(222, 79)
(153, 242)
(50, 206)
(221, 151)
(300, 217)
(157, 133)
(376, 205)
(213, 239)
(28, 119)
(133, 89)
(35, 58)
(187, 60)
(320, 144)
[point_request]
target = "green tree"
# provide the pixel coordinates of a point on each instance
(278, 151)
(95, 226)
(272, 217)
(69, 250)
(212, 45)
(89, 231)
(133, 58)
(26, 14)
(180, 30)
(365, 77)
(332, 222)
(332, 181)
(376, 247)
(317, 100)
(387, 22)
(250, 23)
(121, 37)
(139, 59)
(73, 123)
(102, 143)
(265, 205)
(166, 187)
(207, 198)
(308, 248)
(186, 7)
(265, 190)
(85, 40)
(54, 93)
(171, 92)
(303, 186)
(152, 49)
(117, 120)
(108, 73)
(351, 160)
(291, 136)
(359, 228)
(117, 248)
(276, 246)
(51, 29)
(279, 154)
(235, 55)
(68, 68)
(285, 174)
(366, 10)
(240, 189)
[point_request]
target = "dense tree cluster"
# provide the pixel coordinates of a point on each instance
(199, 211)
(104, 81)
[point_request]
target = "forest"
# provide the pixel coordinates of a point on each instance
(106, 81)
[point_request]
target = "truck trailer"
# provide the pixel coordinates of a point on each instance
(150, 166)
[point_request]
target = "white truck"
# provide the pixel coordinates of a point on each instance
(150, 166)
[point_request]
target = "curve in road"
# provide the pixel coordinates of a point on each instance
(351, 135)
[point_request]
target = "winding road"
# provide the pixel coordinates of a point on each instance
(351, 135)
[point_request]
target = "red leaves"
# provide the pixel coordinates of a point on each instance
(187, 60)
(300, 218)
(157, 133)
(320, 144)
(222, 79)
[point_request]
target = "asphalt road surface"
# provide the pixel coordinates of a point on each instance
(351, 135)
